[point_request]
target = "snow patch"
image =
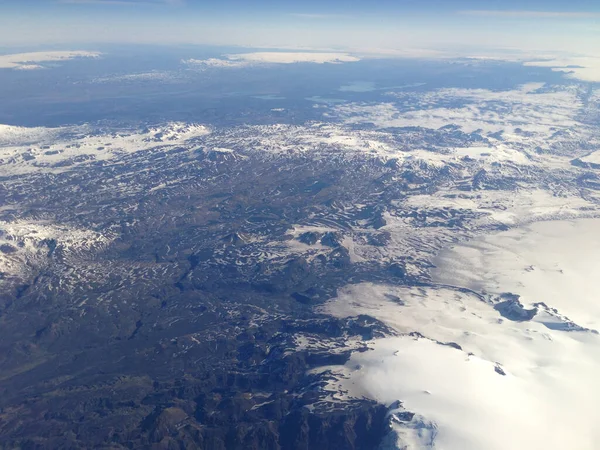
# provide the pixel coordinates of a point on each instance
(26, 150)
(24, 244)
(474, 373)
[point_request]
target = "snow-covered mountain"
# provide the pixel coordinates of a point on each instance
(415, 273)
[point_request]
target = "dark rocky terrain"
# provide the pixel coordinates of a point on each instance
(158, 298)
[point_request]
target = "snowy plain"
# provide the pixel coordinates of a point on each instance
(476, 379)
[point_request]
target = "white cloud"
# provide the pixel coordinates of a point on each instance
(213, 62)
(584, 68)
(316, 16)
(248, 59)
(153, 76)
(532, 14)
(29, 67)
(293, 57)
(123, 2)
(28, 61)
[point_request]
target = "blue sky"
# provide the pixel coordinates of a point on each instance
(350, 24)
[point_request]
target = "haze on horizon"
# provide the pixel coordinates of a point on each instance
(408, 27)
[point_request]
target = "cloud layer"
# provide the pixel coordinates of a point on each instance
(247, 59)
(122, 2)
(30, 61)
(523, 14)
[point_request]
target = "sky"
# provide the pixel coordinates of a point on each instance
(352, 25)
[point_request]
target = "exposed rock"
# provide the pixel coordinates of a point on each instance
(331, 239)
(512, 309)
(309, 238)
